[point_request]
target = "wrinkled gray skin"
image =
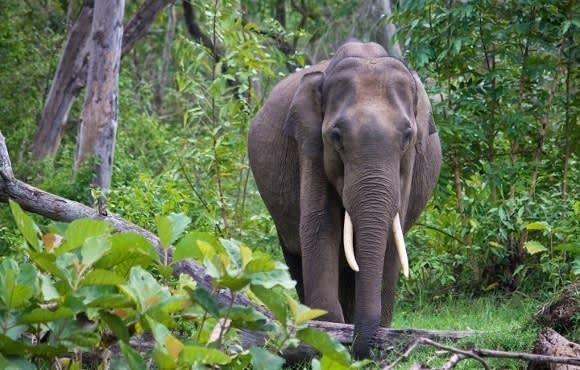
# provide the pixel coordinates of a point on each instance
(354, 133)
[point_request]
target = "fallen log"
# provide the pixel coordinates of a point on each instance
(560, 313)
(551, 343)
(58, 208)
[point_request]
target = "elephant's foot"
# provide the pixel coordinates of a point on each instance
(363, 333)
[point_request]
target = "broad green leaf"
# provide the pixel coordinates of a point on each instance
(116, 325)
(164, 230)
(273, 300)
(262, 264)
(128, 250)
(309, 314)
(201, 355)
(134, 358)
(534, 247)
(326, 345)
(196, 245)
(294, 306)
(174, 346)
(162, 359)
(111, 301)
(160, 333)
(204, 299)
(302, 313)
(41, 315)
(538, 226)
(159, 315)
(327, 363)
(246, 317)
(232, 248)
(94, 248)
(17, 363)
(144, 290)
(171, 227)
(9, 346)
(9, 325)
(175, 303)
(75, 301)
(25, 225)
(265, 360)
(47, 263)
(272, 278)
(49, 292)
(206, 249)
(18, 295)
(245, 255)
(234, 283)
(86, 339)
(102, 277)
(568, 247)
(17, 284)
(80, 230)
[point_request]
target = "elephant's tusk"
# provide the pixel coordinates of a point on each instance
(348, 244)
(400, 243)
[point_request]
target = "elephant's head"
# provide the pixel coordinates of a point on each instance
(359, 117)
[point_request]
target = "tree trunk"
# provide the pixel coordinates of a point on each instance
(387, 37)
(71, 74)
(551, 343)
(99, 118)
(160, 92)
(69, 79)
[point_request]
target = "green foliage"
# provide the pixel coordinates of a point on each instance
(505, 216)
(500, 74)
(79, 294)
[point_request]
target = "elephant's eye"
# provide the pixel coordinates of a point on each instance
(336, 138)
(407, 135)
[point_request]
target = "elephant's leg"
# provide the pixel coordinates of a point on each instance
(347, 293)
(391, 268)
(294, 263)
(320, 240)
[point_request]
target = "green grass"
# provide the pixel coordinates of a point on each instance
(501, 322)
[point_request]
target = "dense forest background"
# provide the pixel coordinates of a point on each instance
(502, 77)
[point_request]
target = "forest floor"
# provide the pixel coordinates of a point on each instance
(503, 322)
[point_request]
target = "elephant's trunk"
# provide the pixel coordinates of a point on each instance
(372, 201)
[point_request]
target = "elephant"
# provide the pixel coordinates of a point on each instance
(346, 154)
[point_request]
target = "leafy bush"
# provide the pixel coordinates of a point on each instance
(84, 288)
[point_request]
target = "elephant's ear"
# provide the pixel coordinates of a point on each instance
(424, 116)
(304, 118)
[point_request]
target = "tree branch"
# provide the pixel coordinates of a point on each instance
(197, 33)
(479, 354)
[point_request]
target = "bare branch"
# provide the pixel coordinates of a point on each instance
(479, 354)
(466, 354)
(197, 33)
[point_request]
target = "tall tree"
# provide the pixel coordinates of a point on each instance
(99, 119)
(71, 74)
